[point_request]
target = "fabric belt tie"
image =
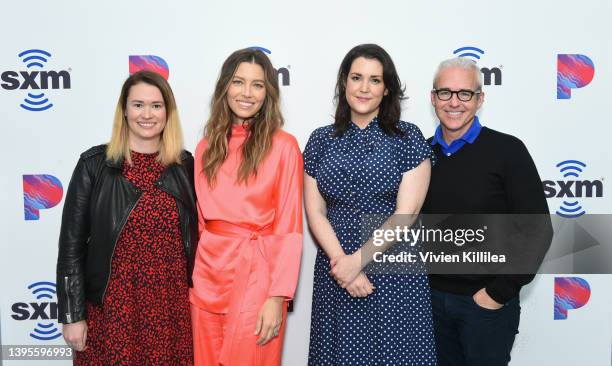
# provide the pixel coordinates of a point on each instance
(253, 240)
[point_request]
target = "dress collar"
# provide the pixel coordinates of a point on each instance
(373, 125)
(240, 129)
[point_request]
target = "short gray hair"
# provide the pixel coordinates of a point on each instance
(462, 63)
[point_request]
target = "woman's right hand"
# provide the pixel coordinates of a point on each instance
(361, 286)
(75, 335)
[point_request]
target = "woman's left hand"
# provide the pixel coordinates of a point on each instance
(345, 268)
(269, 319)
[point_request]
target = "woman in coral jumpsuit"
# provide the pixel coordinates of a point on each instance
(249, 188)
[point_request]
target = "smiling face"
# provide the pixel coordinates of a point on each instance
(145, 112)
(365, 89)
(456, 116)
(246, 92)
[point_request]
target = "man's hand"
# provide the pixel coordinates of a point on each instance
(482, 299)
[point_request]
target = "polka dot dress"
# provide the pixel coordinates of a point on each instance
(359, 173)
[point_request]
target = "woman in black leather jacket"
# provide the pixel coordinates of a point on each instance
(128, 237)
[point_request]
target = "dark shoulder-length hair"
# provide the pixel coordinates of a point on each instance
(390, 107)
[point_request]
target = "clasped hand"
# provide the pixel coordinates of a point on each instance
(346, 270)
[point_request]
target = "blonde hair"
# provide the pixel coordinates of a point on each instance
(262, 126)
(171, 144)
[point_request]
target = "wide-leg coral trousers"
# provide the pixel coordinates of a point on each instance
(209, 330)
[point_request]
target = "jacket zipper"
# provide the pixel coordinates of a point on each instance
(110, 262)
(68, 310)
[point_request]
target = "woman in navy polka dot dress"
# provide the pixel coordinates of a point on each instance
(367, 162)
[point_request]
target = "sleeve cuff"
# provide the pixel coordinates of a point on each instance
(500, 292)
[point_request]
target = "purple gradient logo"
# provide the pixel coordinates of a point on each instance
(570, 293)
(573, 72)
(41, 191)
(151, 63)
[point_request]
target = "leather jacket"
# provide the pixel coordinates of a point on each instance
(97, 205)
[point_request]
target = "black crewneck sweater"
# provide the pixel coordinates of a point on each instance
(495, 174)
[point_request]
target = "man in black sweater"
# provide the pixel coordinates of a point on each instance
(478, 171)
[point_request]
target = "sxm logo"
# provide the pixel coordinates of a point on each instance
(491, 76)
(41, 191)
(150, 63)
(35, 81)
(284, 77)
(571, 293)
(573, 72)
(571, 190)
(42, 311)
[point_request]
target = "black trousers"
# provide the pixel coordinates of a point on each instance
(469, 335)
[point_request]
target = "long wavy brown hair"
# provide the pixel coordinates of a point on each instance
(262, 125)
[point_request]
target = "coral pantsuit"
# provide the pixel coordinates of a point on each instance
(249, 250)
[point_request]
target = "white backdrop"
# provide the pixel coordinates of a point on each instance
(92, 42)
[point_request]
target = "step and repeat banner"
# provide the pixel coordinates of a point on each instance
(546, 68)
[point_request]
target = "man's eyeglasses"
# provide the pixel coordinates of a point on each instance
(463, 95)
